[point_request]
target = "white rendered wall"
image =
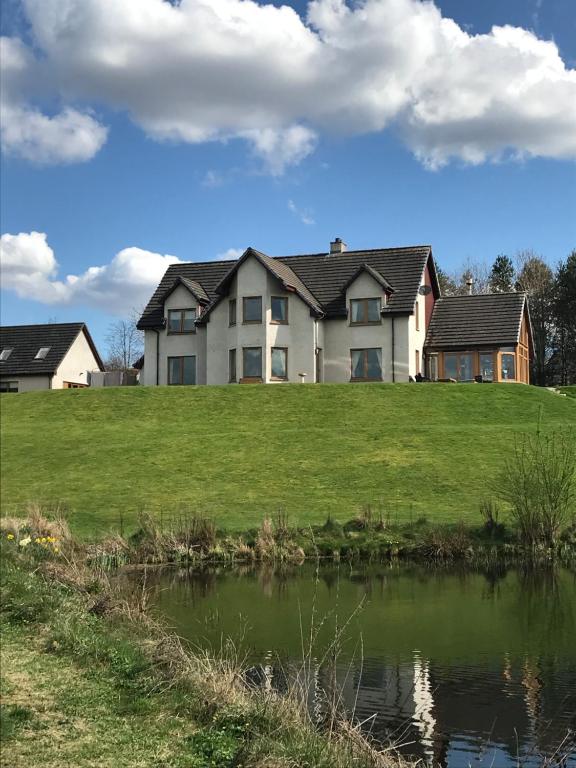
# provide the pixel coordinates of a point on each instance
(29, 383)
(77, 362)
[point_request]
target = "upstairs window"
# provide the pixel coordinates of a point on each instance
(280, 310)
(232, 312)
(181, 321)
(42, 352)
(252, 309)
(5, 354)
(365, 311)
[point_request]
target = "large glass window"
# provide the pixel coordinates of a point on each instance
(279, 363)
(459, 366)
(365, 311)
(232, 312)
(252, 362)
(231, 365)
(8, 386)
(366, 364)
(507, 366)
(182, 370)
(252, 309)
(181, 320)
(279, 309)
(487, 366)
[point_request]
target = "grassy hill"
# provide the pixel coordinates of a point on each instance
(238, 453)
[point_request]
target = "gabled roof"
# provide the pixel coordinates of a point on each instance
(26, 340)
(491, 319)
(318, 278)
(191, 285)
(373, 273)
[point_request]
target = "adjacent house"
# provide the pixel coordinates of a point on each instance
(341, 316)
(51, 356)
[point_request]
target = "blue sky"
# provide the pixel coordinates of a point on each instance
(373, 186)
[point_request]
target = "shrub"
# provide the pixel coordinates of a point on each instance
(538, 483)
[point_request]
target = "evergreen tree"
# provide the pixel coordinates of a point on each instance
(502, 275)
(565, 320)
(447, 285)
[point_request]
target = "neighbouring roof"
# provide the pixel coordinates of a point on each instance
(318, 278)
(26, 340)
(480, 319)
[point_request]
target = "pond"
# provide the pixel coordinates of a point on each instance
(463, 668)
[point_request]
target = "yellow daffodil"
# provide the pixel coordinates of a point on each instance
(10, 536)
(24, 542)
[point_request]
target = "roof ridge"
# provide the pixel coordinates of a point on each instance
(478, 295)
(355, 252)
(43, 325)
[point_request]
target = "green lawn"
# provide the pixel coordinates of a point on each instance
(238, 453)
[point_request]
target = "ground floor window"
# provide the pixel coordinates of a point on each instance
(252, 362)
(8, 386)
(487, 366)
(231, 365)
(366, 364)
(182, 370)
(507, 366)
(279, 363)
(458, 366)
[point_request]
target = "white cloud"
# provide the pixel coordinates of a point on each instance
(230, 255)
(29, 268)
(303, 214)
(205, 70)
(71, 136)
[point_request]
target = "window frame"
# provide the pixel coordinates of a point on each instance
(501, 355)
(279, 378)
(251, 322)
(365, 350)
(279, 322)
(181, 383)
(232, 312)
(473, 367)
(232, 356)
(170, 332)
(417, 315)
(244, 376)
(417, 361)
(364, 303)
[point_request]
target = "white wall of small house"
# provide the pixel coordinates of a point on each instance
(77, 363)
(29, 383)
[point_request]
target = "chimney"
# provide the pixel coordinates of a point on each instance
(337, 246)
(469, 283)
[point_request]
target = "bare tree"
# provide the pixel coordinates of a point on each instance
(476, 271)
(125, 343)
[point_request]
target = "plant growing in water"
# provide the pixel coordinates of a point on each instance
(538, 481)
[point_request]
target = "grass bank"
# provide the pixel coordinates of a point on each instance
(238, 454)
(88, 678)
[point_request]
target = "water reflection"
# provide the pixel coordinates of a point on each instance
(463, 668)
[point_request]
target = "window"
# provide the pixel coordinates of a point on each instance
(507, 366)
(417, 315)
(280, 310)
(365, 311)
(182, 370)
(417, 360)
(232, 312)
(487, 366)
(42, 352)
(231, 365)
(181, 321)
(433, 367)
(458, 366)
(8, 386)
(252, 363)
(252, 309)
(5, 354)
(366, 364)
(279, 363)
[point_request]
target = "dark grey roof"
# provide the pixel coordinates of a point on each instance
(319, 278)
(191, 285)
(481, 319)
(26, 340)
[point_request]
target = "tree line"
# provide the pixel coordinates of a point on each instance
(552, 302)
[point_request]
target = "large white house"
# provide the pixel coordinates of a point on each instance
(370, 315)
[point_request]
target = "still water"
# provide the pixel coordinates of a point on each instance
(464, 668)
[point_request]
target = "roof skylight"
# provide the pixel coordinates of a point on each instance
(42, 352)
(5, 354)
